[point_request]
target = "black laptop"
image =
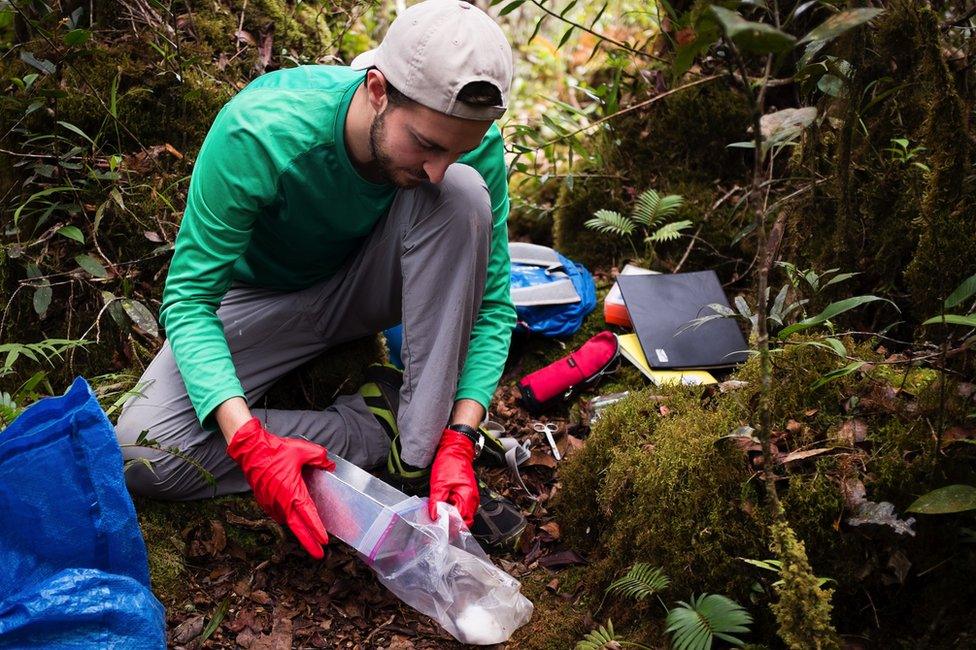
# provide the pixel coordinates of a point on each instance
(662, 307)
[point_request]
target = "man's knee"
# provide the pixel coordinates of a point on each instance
(466, 202)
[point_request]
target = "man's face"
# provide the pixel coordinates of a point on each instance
(412, 144)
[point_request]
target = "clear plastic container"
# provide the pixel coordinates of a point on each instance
(436, 567)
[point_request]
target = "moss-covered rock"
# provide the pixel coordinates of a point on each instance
(659, 482)
(676, 146)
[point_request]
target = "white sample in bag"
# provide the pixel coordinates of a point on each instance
(436, 567)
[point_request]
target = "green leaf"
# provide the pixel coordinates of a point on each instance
(511, 6)
(91, 265)
(963, 292)
(37, 195)
(43, 65)
(669, 231)
(76, 37)
(141, 316)
(695, 625)
(562, 41)
(641, 581)
(840, 23)
(946, 500)
(42, 298)
(837, 374)
(832, 310)
(215, 620)
(72, 232)
(952, 319)
(758, 38)
(612, 222)
(74, 129)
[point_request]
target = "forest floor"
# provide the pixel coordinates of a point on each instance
(230, 577)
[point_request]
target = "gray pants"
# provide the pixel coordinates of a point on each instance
(423, 265)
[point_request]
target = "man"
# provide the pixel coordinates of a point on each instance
(329, 203)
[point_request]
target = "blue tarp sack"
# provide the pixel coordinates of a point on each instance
(552, 293)
(73, 567)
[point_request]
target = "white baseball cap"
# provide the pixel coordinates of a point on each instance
(435, 48)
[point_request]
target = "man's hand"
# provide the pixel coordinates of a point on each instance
(452, 476)
(273, 467)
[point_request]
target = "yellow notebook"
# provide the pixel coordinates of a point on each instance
(631, 348)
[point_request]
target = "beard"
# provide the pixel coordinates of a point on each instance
(383, 161)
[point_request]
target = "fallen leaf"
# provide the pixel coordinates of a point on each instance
(958, 434)
(260, 597)
(900, 565)
(731, 385)
(796, 456)
(794, 427)
(553, 585)
(561, 559)
(664, 410)
(188, 630)
(543, 458)
(280, 637)
(552, 528)
(852, 431)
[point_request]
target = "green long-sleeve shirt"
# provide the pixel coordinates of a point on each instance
(274, 201)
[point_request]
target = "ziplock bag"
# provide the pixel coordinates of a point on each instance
(436, 567)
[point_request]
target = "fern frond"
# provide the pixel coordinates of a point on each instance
(612, 222)
(599, 639)
(640, 582)
(695, 625)
(646, 209)
(669, 231)
(652, 208)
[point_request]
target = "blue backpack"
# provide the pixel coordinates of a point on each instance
(552, 293)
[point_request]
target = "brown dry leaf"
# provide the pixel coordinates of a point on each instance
(966, 389)
(400, 643)
(245, 639)
(811, 412)
(794, 427)
(541, 458)
(553, 585)
(188, 630)
(280, 637)
(552, 528)
(899, 565)
(561, 559)
(260, 597)
(217, 542)
(244, 36)
(664, 410)
(957, 434)
(569, 444)
(853, 431)
(795, 456)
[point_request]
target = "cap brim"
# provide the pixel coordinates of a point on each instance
(365, 60)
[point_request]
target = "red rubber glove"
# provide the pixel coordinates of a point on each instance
(452, 476)
(273, 467)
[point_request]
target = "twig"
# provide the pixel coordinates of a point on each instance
(600, 36)
(633, 107)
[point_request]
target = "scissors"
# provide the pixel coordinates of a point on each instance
(548, 429)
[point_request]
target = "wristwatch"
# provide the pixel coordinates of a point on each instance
(472, 434)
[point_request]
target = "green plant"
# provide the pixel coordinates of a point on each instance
(961, 294)
(604, 638)
(696, 624)
(647, 220)
(641, 581)
(903, 153)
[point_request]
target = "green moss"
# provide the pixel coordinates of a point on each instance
(887, 218)
(803, 609)
(557, 622)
